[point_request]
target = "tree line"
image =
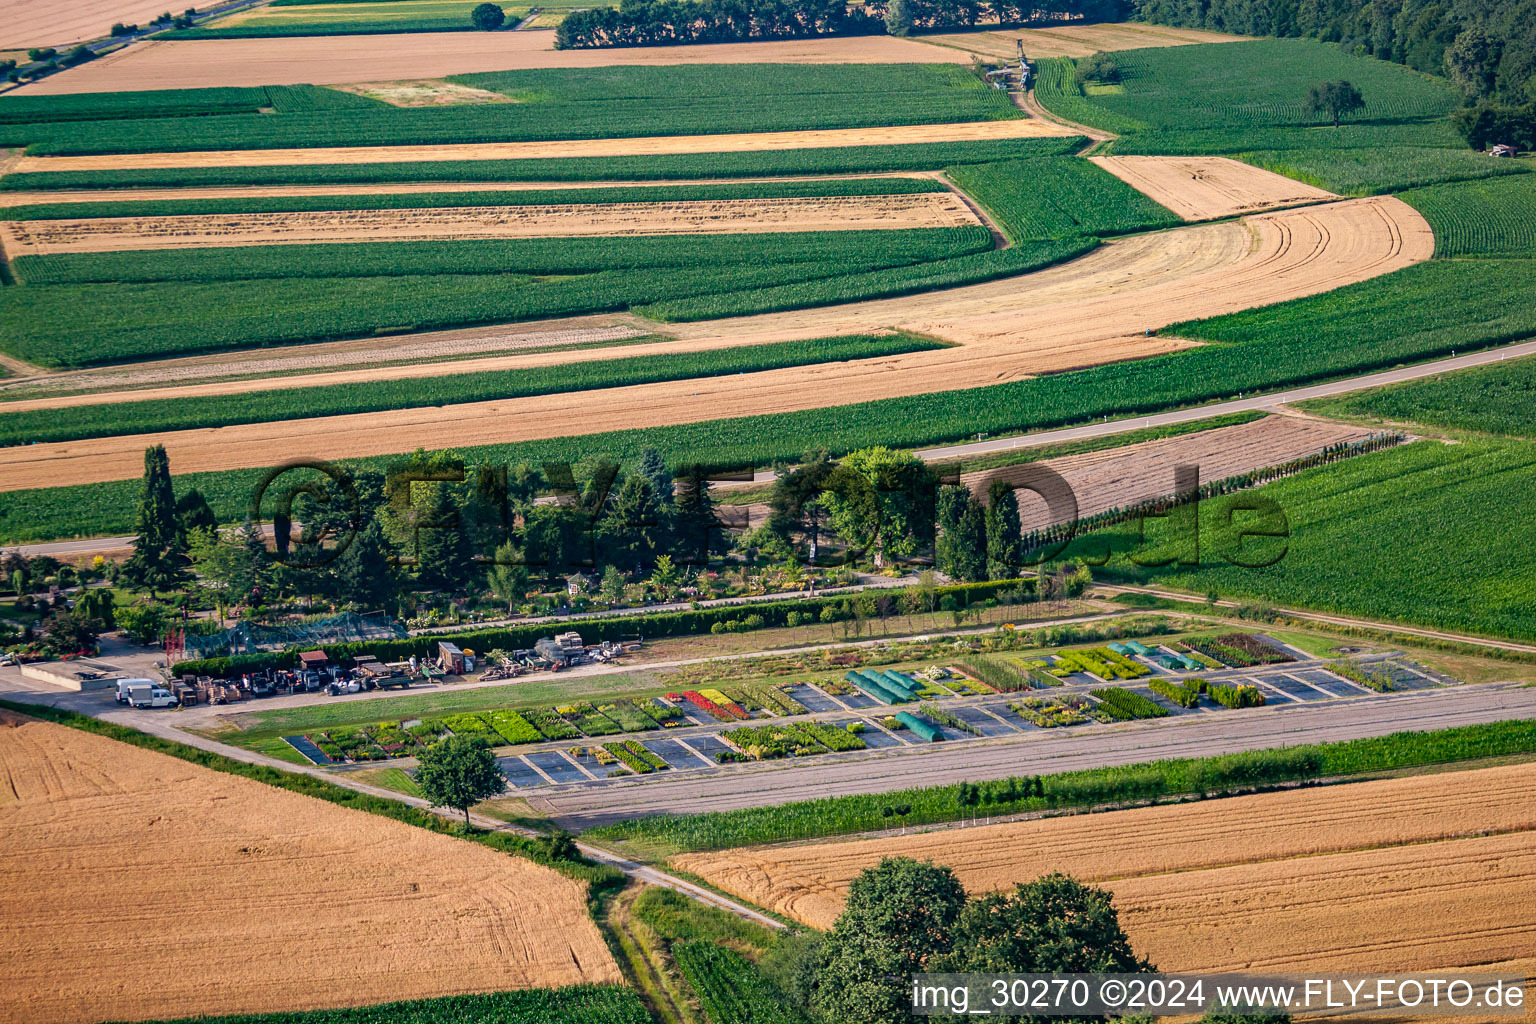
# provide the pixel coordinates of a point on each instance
(662, 22)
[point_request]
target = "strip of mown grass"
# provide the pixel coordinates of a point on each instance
(598, 876)
(326, 28)
(1059, 198)
(590, 1004)
(496, 197)
(82, 421)
(663, 836)
(70, 325)
(918, 156)
(614, 102)
(1481, 218)
(1495, 399)
(877, 284)
(528, 256)
(1420, 313)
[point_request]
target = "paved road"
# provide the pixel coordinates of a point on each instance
(1043, 752)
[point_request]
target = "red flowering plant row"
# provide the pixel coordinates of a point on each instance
(724, 712)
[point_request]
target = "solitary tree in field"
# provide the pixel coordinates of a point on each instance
(898, 17)
(459, 772)
(487, 17)
(1335, 99)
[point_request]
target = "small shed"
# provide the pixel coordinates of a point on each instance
(449, 658)
(313, 660)
(1504, 151)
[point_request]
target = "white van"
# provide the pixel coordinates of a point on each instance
(124, 685)
(150, 697)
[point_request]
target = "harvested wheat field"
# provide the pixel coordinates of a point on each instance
(818, 138)
(1092, 310)
(566, 220)
(1124, 476)
(1077, 40)
(134, 885)
(1207, 187)
(29, 23)
(338, 60)
(1406, 874)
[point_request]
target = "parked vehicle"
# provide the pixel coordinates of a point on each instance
(124, 685)
(145, 695)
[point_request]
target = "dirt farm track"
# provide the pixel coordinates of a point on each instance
(1419, 873)
(1091, 310)
(134, 885)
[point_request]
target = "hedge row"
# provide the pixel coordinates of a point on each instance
(626, 627)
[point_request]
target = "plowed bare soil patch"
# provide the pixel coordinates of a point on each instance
(567, 220)
(1418, 873)
(426, 92)
(137, 886)
(1207, 187)
(745, 142)
(337, 60)
(1077, 40)
(1092, 310)
(1124, 476)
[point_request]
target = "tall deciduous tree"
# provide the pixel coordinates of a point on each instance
(1335, 100)
(883, 500)
(961, 549)
(459, 772)
(898, 916)
(158, 562)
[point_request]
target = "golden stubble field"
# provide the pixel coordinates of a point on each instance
(137, 886)
(1411, 874)
(538, 220)
(340, 60)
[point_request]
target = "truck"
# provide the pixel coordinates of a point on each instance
(147, 695)
(124, 685)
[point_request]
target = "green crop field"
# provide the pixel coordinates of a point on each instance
(616, 102)
(1057, 90)
(875, 284)
(1059, 198)
(1495, 399)
(1263, 83)
(1418, 534)
(129, 417)
(1481, 218)
(533, 256)
(488, 197)
(88, 324)
(1420, 313)
(1363, 172)
(920, 156)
